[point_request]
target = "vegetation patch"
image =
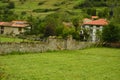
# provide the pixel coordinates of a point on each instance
(41, 3)
(3, 74)
(103, 63)
(45, 10)
(59, 3)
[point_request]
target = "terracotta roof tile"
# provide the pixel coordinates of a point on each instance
(5, 23)
(14, 24)
(101, 22)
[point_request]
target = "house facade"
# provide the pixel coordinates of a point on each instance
(14, 27)
(94, 27)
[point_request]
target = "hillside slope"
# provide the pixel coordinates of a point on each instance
(45, 6)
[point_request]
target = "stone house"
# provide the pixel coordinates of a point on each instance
(14, 27)
(94, 26)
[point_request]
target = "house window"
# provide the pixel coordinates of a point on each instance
(20, 29)
(1, 30)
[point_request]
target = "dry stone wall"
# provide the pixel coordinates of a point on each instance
(51, 44)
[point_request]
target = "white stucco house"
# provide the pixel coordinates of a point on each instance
(94, 25)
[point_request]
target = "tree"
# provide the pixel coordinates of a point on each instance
(56, 21)
(111, 33)
(103, 13)
(11, 5)
(91, 11)
(36, 25)
(76, 23)
(49, 30)
(67, 31)
(116, 17)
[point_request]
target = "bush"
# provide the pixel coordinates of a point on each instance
(111, 33)
(49, 30)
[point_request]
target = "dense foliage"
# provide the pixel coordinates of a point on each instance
(111, 33)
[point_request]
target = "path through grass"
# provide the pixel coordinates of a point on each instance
(88, 64)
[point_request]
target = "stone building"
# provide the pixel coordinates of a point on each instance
(15, 27)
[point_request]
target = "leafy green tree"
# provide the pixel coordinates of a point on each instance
(36, 24)
(91, 11)
(116, 17)
(49, 30)
(56, 20)
(111, 33)
(103, 13)
(8, 15)
(67, 31)
(11, 5)
(76, 23)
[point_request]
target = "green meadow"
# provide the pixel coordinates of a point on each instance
(7, 39)
(86, 64)
(12, 39)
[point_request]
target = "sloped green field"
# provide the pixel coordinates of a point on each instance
(29, 5)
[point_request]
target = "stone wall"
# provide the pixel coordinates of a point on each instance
(51, 44)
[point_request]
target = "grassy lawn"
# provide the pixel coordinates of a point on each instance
(8, 39)
(87, 64)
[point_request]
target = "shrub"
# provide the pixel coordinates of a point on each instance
(111, 33)
(49, 30)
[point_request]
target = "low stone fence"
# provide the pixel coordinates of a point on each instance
(51, 44)
(113, 44)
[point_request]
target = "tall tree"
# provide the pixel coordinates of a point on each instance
(76, 23)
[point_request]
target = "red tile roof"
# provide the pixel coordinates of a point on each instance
(14, 24)
(5, 23)
(101, 22)
(19, 24)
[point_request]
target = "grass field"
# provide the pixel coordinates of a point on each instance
(6, 39)
(10, 39)
(87, 64)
